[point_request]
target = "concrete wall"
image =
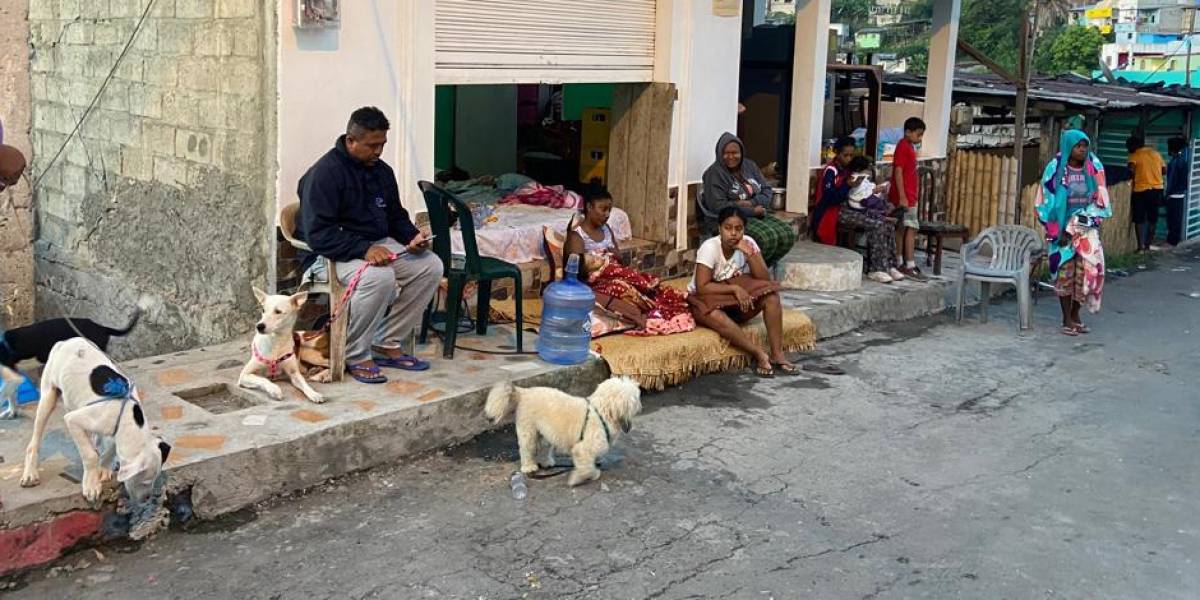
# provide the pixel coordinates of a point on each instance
(893, 114)
(705, 60)
(383, 55)
(16, 218)
(325, 74)
(166, 187)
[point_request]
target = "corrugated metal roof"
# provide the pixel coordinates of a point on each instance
(1072, 91)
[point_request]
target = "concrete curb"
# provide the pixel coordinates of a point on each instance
(37, 533)
(234, 481)
(835, 320)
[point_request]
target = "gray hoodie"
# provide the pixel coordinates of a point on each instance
(722, 188)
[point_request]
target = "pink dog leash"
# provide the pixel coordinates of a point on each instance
(350, 286)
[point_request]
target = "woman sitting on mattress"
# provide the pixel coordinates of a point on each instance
(731, 285)
(626, 299)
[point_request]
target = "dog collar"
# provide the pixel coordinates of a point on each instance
(125, 400)
(586, 414)
(272, 363)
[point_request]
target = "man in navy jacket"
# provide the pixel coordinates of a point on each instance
(350, 212)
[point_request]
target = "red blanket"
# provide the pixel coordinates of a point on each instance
(639, 298)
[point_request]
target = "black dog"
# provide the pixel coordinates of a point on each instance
(35, 341)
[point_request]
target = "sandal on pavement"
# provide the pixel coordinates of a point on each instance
(763, 372)
(1068, 331)
(786, 368)
(403, 362)
(1081, 328)
(365, 374)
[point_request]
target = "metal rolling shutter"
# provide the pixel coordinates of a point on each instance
(544, 41)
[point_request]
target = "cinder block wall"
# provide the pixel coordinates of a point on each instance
(166, 187)
(16, 216)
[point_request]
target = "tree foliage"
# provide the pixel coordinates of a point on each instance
(856, 13)
(1069, 49)
(992, 27)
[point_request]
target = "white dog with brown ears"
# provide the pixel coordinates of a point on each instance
(584, 427)
(273, 349)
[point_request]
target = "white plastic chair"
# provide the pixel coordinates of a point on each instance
(1012, 247)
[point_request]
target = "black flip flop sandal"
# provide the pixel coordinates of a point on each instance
(763, 373)
(787, 369)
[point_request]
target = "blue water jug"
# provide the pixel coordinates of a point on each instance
(566, 319)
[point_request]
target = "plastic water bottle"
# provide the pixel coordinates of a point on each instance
(566, 319)
(517, 484)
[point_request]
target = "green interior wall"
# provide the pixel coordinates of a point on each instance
(1114, 130)
(443, 126)
(578, 96)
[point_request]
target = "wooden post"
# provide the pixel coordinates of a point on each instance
(952, 181)
(1015, 185)
(638, 151)
(1187, 69)
(1049, 140)
(1023, 52)
(976, 190)
(995, 176)
(1005, 190)
(971, 191)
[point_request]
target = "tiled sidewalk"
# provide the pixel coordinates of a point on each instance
(238, 446)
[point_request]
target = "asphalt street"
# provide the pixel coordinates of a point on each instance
(950, 461)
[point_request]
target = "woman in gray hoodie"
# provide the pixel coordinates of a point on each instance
(734, 180)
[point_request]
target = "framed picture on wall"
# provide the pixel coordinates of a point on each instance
(318, 14)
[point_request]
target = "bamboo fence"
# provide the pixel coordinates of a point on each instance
(982, 193)
(1116, 234)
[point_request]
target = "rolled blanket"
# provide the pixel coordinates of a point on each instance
(703, 304)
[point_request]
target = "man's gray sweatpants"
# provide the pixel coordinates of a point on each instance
(389, 301)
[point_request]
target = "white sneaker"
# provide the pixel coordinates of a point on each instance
(895, 274)
(879, 277)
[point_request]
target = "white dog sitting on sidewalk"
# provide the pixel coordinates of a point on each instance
(584, 427)
(273, 350)
(100, 402)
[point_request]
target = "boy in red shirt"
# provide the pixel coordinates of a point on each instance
(903, 193)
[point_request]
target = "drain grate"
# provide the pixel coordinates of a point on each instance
(218, 398)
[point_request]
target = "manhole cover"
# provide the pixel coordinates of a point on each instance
(217, 399)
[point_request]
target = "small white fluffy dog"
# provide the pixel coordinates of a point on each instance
(273, 350)
(584, 427)
(100, 402)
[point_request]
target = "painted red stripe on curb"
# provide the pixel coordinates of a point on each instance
(40, 543)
